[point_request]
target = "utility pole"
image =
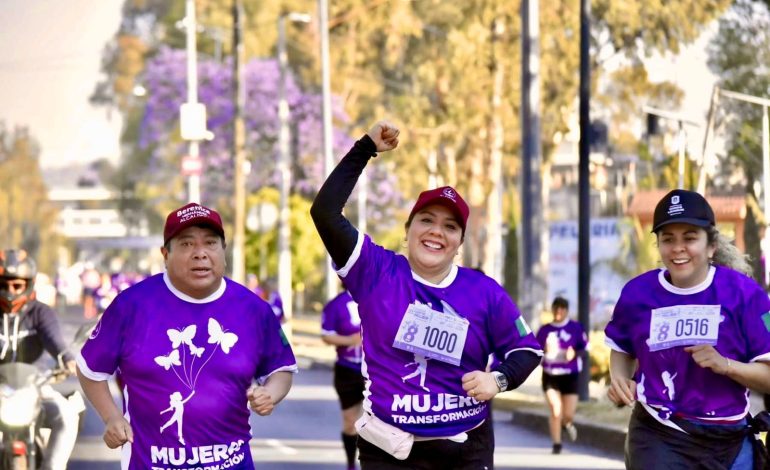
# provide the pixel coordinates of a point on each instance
(193, 114)
(584, 190)
(323, 29)
(239, 138)
(493, 259)
(284, 169)
(531, 211)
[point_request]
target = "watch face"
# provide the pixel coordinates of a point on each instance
(502, 383)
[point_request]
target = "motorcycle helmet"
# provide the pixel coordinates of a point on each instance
(16, 265)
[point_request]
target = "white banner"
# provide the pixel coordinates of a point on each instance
(605, 245)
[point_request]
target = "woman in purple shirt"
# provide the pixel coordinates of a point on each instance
(428, 327)
(688, 342)
(563, 342)
(341, 327)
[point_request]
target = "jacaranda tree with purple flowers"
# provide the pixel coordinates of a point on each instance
(165, 79)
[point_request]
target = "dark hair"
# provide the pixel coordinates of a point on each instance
(560, 302)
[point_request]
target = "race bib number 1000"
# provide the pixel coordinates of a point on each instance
(684, 325)
(433, 334)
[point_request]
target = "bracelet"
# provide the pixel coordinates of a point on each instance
(729, 366)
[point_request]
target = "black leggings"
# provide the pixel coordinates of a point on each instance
(440, 454)
(651, 444)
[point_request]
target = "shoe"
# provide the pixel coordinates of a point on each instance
(571, 431)
(556, 449)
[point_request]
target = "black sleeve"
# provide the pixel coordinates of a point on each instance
(50, 332)
(338, 234)
(517, 367)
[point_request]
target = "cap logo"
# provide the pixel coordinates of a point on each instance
(192, 213)
(676, 207)
(449, 194)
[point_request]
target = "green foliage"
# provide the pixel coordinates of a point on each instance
(599, 354)
(26, 217)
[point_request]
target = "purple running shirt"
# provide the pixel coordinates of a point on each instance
(340, 317)
(186, 365)
(556, 339)
(654, 320)
(415, 392)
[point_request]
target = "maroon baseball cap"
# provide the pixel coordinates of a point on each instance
(446, 196)
(189, 215)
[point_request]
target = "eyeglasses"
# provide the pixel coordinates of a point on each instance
(15, 285)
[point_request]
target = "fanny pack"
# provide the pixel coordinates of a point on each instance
(387, 437)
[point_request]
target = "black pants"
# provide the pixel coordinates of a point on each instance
(652, 445)
(474, 454)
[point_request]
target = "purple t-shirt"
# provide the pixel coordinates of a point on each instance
(186, 365)
(340, 317)
(414, 392)
(652, 314)
(556, 339)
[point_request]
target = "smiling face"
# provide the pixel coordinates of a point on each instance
(685, 251)
(433, 237)
(195, 261)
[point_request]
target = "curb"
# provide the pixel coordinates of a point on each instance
(606, 438)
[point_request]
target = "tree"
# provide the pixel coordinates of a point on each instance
(740, 56)
(26, 216)
(449, 79)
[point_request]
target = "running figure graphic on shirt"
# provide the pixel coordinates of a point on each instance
(422, 370)
(668, 380)
(177, 405)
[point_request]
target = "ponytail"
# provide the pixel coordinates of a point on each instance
(726, 254)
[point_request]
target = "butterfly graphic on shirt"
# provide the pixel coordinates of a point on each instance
(185, 336)
(167, 361)
(217, 335)
(187, 367)
(196, 351)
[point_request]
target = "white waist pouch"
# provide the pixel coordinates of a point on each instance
(387, 437)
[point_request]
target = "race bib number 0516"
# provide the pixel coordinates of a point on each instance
(684, 325)
(433, 334)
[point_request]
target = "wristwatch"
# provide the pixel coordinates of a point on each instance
(501, 380)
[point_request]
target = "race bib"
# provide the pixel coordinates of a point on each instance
(684, 325)
(433, 334)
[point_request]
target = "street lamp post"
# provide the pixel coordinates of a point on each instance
(284, 169)
(193, 114)
(765, 103)
(239, 138)
(323, 30)
(681, 136)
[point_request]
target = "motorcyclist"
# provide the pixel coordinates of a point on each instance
(28, 327)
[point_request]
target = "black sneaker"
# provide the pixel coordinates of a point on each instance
(556, 449)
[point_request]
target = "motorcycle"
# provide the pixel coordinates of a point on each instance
(24, 439)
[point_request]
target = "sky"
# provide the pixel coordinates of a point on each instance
(49, 66)
(51, 62)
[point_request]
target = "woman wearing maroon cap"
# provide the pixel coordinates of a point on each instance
(428, 327)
